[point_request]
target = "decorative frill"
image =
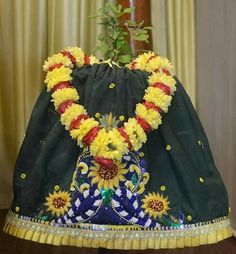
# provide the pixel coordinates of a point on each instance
(118, 237)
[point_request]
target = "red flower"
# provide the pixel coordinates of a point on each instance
(166, 72)
(90, 136)
(69, 55)
(150, 105)
(64, 105)
(133, 65)
(86, 59)
(126, 137)
(107, 163)
(54, 66)
(63, 84)
(150, 58)
(163, 87)
(144, 124)
(76, 122)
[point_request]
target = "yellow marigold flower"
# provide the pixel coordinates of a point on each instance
(93, 60)
(85, 126)
(108, 178)
(78, 54)
(57, 59)
(158, 97)
(65, 94)
(109, 144)
(159, 62)
(149, 115)
(155, 205)
(71, 113)
(56, 76)
(58, 202)
(163, 78)
(136, 133)
(141, 60)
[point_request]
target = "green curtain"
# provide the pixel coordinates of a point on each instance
(174, 36)
(30, 31)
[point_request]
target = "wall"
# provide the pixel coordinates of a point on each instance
(216, 84)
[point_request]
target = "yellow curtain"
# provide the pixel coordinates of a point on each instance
(174, 37)
(30, 31)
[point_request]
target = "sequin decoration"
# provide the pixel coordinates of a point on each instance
(97, 115)
(107, 195)
(121, 118)
(200, 143)
(108, 185)
(112, 85)
(163, 188)
(168, 147)
(201, 179)
(23, 176)
(189, 217)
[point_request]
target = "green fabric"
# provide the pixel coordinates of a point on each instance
(48, 154)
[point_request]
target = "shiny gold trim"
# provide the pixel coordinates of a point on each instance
(117, 237)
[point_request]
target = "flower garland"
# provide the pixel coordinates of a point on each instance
(108, 146)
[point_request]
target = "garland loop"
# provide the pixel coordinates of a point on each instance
(109, 145)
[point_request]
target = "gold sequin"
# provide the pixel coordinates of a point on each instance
(17, 208)
(56, 187)
(141, 154)
(200, 143)
(168, 147)
(163, 188)
(97, 115)
(189, 217)
(112, 85)
(23, 176)
(121, 118)
(201, 179)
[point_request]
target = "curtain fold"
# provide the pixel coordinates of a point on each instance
(29, 32)
(174, 36)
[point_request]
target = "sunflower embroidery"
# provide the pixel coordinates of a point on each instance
(107, 177)
(155, 204)
(58, 202)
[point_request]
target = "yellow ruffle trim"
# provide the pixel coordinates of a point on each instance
(117, 237)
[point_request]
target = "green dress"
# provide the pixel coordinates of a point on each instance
(168, 195)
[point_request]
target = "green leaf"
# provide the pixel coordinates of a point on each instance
(141, 37)
(124, 59)
(101, 37)
(128, 10)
